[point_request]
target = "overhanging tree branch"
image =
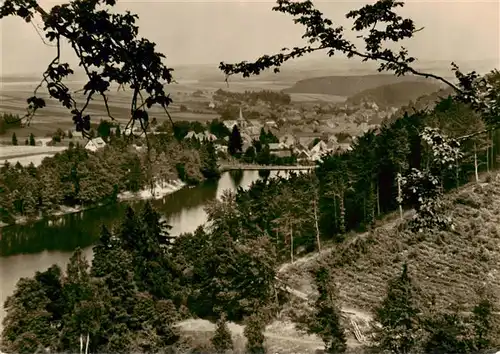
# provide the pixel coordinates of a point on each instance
(320, 30)
(109, 51)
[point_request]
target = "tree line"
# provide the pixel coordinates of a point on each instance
(251, 97)
(142, 282)
(351, 190)
(77, 176)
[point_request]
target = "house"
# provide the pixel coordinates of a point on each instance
(255, 123)
(211, 105)
(332, 138)
(303, 155)
(306, 142)
(344, 147)
(246, 138)
(271, 124)
(134, 130)
(252, 131)
(278, 149)
(95, 144)
(230, 124)
(76, 135)
(319, 148)
(206, 135)
(220, 148)
(209, 136)
(288, 140)
(275, 146)
(245, 146)
(190, 135)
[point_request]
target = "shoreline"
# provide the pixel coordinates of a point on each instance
(161, 190)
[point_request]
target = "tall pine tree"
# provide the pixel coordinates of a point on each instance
(325, 321)
(235, 144)
(398, 316)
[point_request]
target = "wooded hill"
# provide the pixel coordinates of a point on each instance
(348, 85)
(394, 95)
(448, 266)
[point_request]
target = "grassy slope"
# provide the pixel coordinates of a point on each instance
(448, 265)
(395, 95)
(347, 85)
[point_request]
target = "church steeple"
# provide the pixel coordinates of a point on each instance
(242, 123)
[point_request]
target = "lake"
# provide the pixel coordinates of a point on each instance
(25, 249)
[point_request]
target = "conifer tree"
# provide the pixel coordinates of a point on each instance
(486, 330)
(209, 168)
(398, 316)
(235, 144)
(32, 140)
(14, 139)
(254, 332)
(325, 321)
(221, 340)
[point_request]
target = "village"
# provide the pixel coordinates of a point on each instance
(307, 133)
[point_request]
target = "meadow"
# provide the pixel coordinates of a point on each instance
(14, 94)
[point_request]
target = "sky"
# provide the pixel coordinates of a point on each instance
(207, 32)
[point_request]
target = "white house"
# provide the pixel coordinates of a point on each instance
(201, 136)
(271, 124)
(230, 124)
(190, 135)
(95, 144)
(211, 105)
(319, 148)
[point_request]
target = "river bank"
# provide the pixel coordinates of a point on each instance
(159, 191)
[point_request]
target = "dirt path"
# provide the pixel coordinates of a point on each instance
(200, 325)
(351, 312)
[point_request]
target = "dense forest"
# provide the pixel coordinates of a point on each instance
(77, 176)
(394, 95)
(9, 121)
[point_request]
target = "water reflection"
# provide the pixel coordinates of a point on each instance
(25, 249)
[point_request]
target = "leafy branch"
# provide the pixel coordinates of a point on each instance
(422, 189)
(378, 24)
(109, 51)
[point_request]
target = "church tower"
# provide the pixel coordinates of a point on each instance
(242, 123)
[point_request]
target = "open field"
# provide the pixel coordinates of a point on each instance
(315, 97)
(14, 94)
(26, 160)
(27, 154)
(8, 152)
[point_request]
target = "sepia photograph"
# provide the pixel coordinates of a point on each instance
(250, 176)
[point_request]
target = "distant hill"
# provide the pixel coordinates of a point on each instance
(348, 85)
(424, 102)
(395, 95)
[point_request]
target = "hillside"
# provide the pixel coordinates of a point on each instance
(424, 102)
(446, 266)
(394, 95)
(348, 85)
